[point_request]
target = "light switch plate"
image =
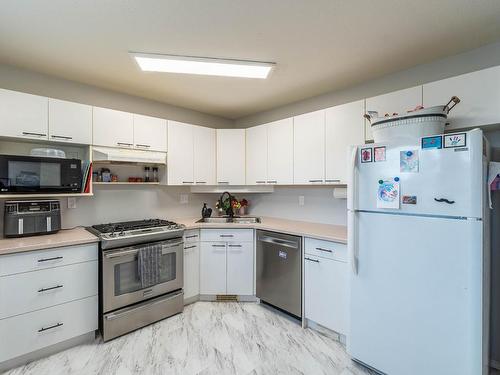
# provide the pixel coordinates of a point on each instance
(184, 199)
(71, 202)
(302, 200)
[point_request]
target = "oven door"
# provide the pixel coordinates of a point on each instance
(121, 284)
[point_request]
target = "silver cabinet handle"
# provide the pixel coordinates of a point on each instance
(272, 182)
(234, 245)
(260, 182)
(223, 182)
(316, 180)
(124, 144)
(325, 250)
(142, 145)
(41, 290)
(201, 182)
(187, 182)
(49, 259)
(61, 137)
(192, 236)
(214, 245)
(226, 235)
(189, 247)
(333, 180)
(43, 329)
(34, 134)
(312, 260)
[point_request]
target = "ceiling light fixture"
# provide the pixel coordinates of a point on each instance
(202, 65)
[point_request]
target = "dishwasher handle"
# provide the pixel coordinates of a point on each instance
(279, 241)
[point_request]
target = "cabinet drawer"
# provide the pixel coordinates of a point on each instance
(326, 249)
(25, 333)
(192, 235)
(227, 235)
(30, 291)
(49, 258)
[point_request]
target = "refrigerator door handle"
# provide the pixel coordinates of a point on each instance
(351, 241)
(350, 179)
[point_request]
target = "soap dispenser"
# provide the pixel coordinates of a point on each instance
(205, 211)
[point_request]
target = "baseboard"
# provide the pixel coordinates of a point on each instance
(339, 337)
(47, 351)
(190, 300)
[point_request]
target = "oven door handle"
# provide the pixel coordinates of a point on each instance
(133, 251)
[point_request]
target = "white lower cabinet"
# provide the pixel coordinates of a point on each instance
(213, 268)
(227, 264)
(46, 297)
(191, 264)
(326, 292)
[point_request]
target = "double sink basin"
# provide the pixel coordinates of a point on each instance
(227, 219)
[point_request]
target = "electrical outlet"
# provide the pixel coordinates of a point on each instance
(184, 199)
(302, 200)
(71, 202)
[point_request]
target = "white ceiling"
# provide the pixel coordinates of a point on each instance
(318, 45)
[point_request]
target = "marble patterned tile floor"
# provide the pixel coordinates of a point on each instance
(207, 338)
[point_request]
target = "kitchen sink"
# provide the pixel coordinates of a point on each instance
(227, 219)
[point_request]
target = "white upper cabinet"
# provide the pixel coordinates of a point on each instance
(231, 156)
(280, 152)
(113, 128)
(479, 93)
(180, 158)
(150, 133)
(256, 155)
(204, 155)
(70, 122)
(309, 148)
(23, 115)
(344, 127)
(394, 102)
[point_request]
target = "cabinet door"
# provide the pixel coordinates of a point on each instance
(150, 133)
(180, 154)
(231, 156)
(394, 102)
(280, 152)
(329, 311)
(344, 127)
(213, 268)
(256, 155)
(309, 148)
(191, 269)
(113, 128)
(23, 115)
(70, 122)
(204, 155)
(479, 93)
(240, 268)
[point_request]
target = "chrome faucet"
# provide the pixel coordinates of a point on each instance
(229, 210)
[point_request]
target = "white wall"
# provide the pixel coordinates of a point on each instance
(114, 203)
(320, 206)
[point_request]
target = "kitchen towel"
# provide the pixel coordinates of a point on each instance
(148, 264)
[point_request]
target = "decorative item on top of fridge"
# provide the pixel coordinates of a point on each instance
(416, 123)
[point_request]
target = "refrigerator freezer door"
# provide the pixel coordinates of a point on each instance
(446, 181)
(416, 299)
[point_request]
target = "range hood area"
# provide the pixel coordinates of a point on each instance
(119, 155)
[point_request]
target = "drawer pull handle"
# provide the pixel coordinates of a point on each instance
(272, 182)
(189, 247)
(325, 250)
(35, 134)
(139, 145)
(222, 182)
(51, 288)
(49, 259)
(51, 327)
(333, 180)
(193, 236)
(312, 260)
(61, 137)
(124, 144)
(226, 235)
(260, 182)
(201, 182)
(315, 180)
(218, 245)
(187, 182)
(234, 245)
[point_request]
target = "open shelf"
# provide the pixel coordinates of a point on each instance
(41, 196)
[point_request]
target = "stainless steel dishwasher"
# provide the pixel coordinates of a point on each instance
(279, 271)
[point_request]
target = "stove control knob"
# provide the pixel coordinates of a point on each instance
(122, 233)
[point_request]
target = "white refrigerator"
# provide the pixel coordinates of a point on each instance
(419, 255)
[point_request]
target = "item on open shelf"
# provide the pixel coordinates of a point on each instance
(114, 178)
(146, 174)
(155, 174)
(106, 175)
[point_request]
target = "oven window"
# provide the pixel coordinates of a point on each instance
(127, 275)
(32, 174)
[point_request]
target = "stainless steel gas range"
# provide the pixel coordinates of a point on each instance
(126, 302)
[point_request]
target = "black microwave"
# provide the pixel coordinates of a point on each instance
(34, 174)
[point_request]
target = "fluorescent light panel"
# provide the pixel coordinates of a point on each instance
(202, 65)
